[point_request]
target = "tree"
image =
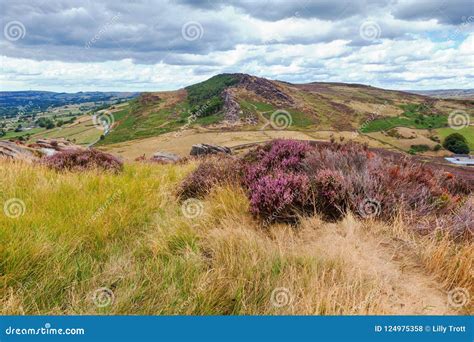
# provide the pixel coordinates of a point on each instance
(456, 143)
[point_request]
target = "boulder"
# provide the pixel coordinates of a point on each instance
(203, 149)
(165, 157)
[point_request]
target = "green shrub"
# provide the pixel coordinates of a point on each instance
(419, 148)
(456, 143)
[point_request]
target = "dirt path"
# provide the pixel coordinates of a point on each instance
(404, 285)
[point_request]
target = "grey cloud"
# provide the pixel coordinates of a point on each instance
(452, 12)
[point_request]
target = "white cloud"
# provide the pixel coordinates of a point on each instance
(144, 50)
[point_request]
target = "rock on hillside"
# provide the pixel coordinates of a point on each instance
(203, 149)
(14, 151)
(36, 150)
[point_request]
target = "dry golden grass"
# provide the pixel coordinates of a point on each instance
(157, 260)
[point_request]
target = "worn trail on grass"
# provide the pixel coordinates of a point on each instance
(405, 286)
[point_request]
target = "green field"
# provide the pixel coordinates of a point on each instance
(467, 132)
(132, 123)
(414, 116)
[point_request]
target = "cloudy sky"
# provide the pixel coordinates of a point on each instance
(136, 45)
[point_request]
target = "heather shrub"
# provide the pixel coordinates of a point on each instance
(278, 155)
(80, 160)
(213, 170)
(331, 193)
(459, 223)
(285, 179)
(279, 197)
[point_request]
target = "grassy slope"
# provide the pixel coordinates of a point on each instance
(157, 261)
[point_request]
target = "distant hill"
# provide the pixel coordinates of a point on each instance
(245, 102)
(446, 93)
(14, 102)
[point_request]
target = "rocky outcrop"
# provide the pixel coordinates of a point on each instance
(232, 109)
(13, 151)
(265, 89)
(203, 149)
(54, 145)
(147, 98)
(36, 150)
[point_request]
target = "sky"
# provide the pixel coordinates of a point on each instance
(154, 45)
